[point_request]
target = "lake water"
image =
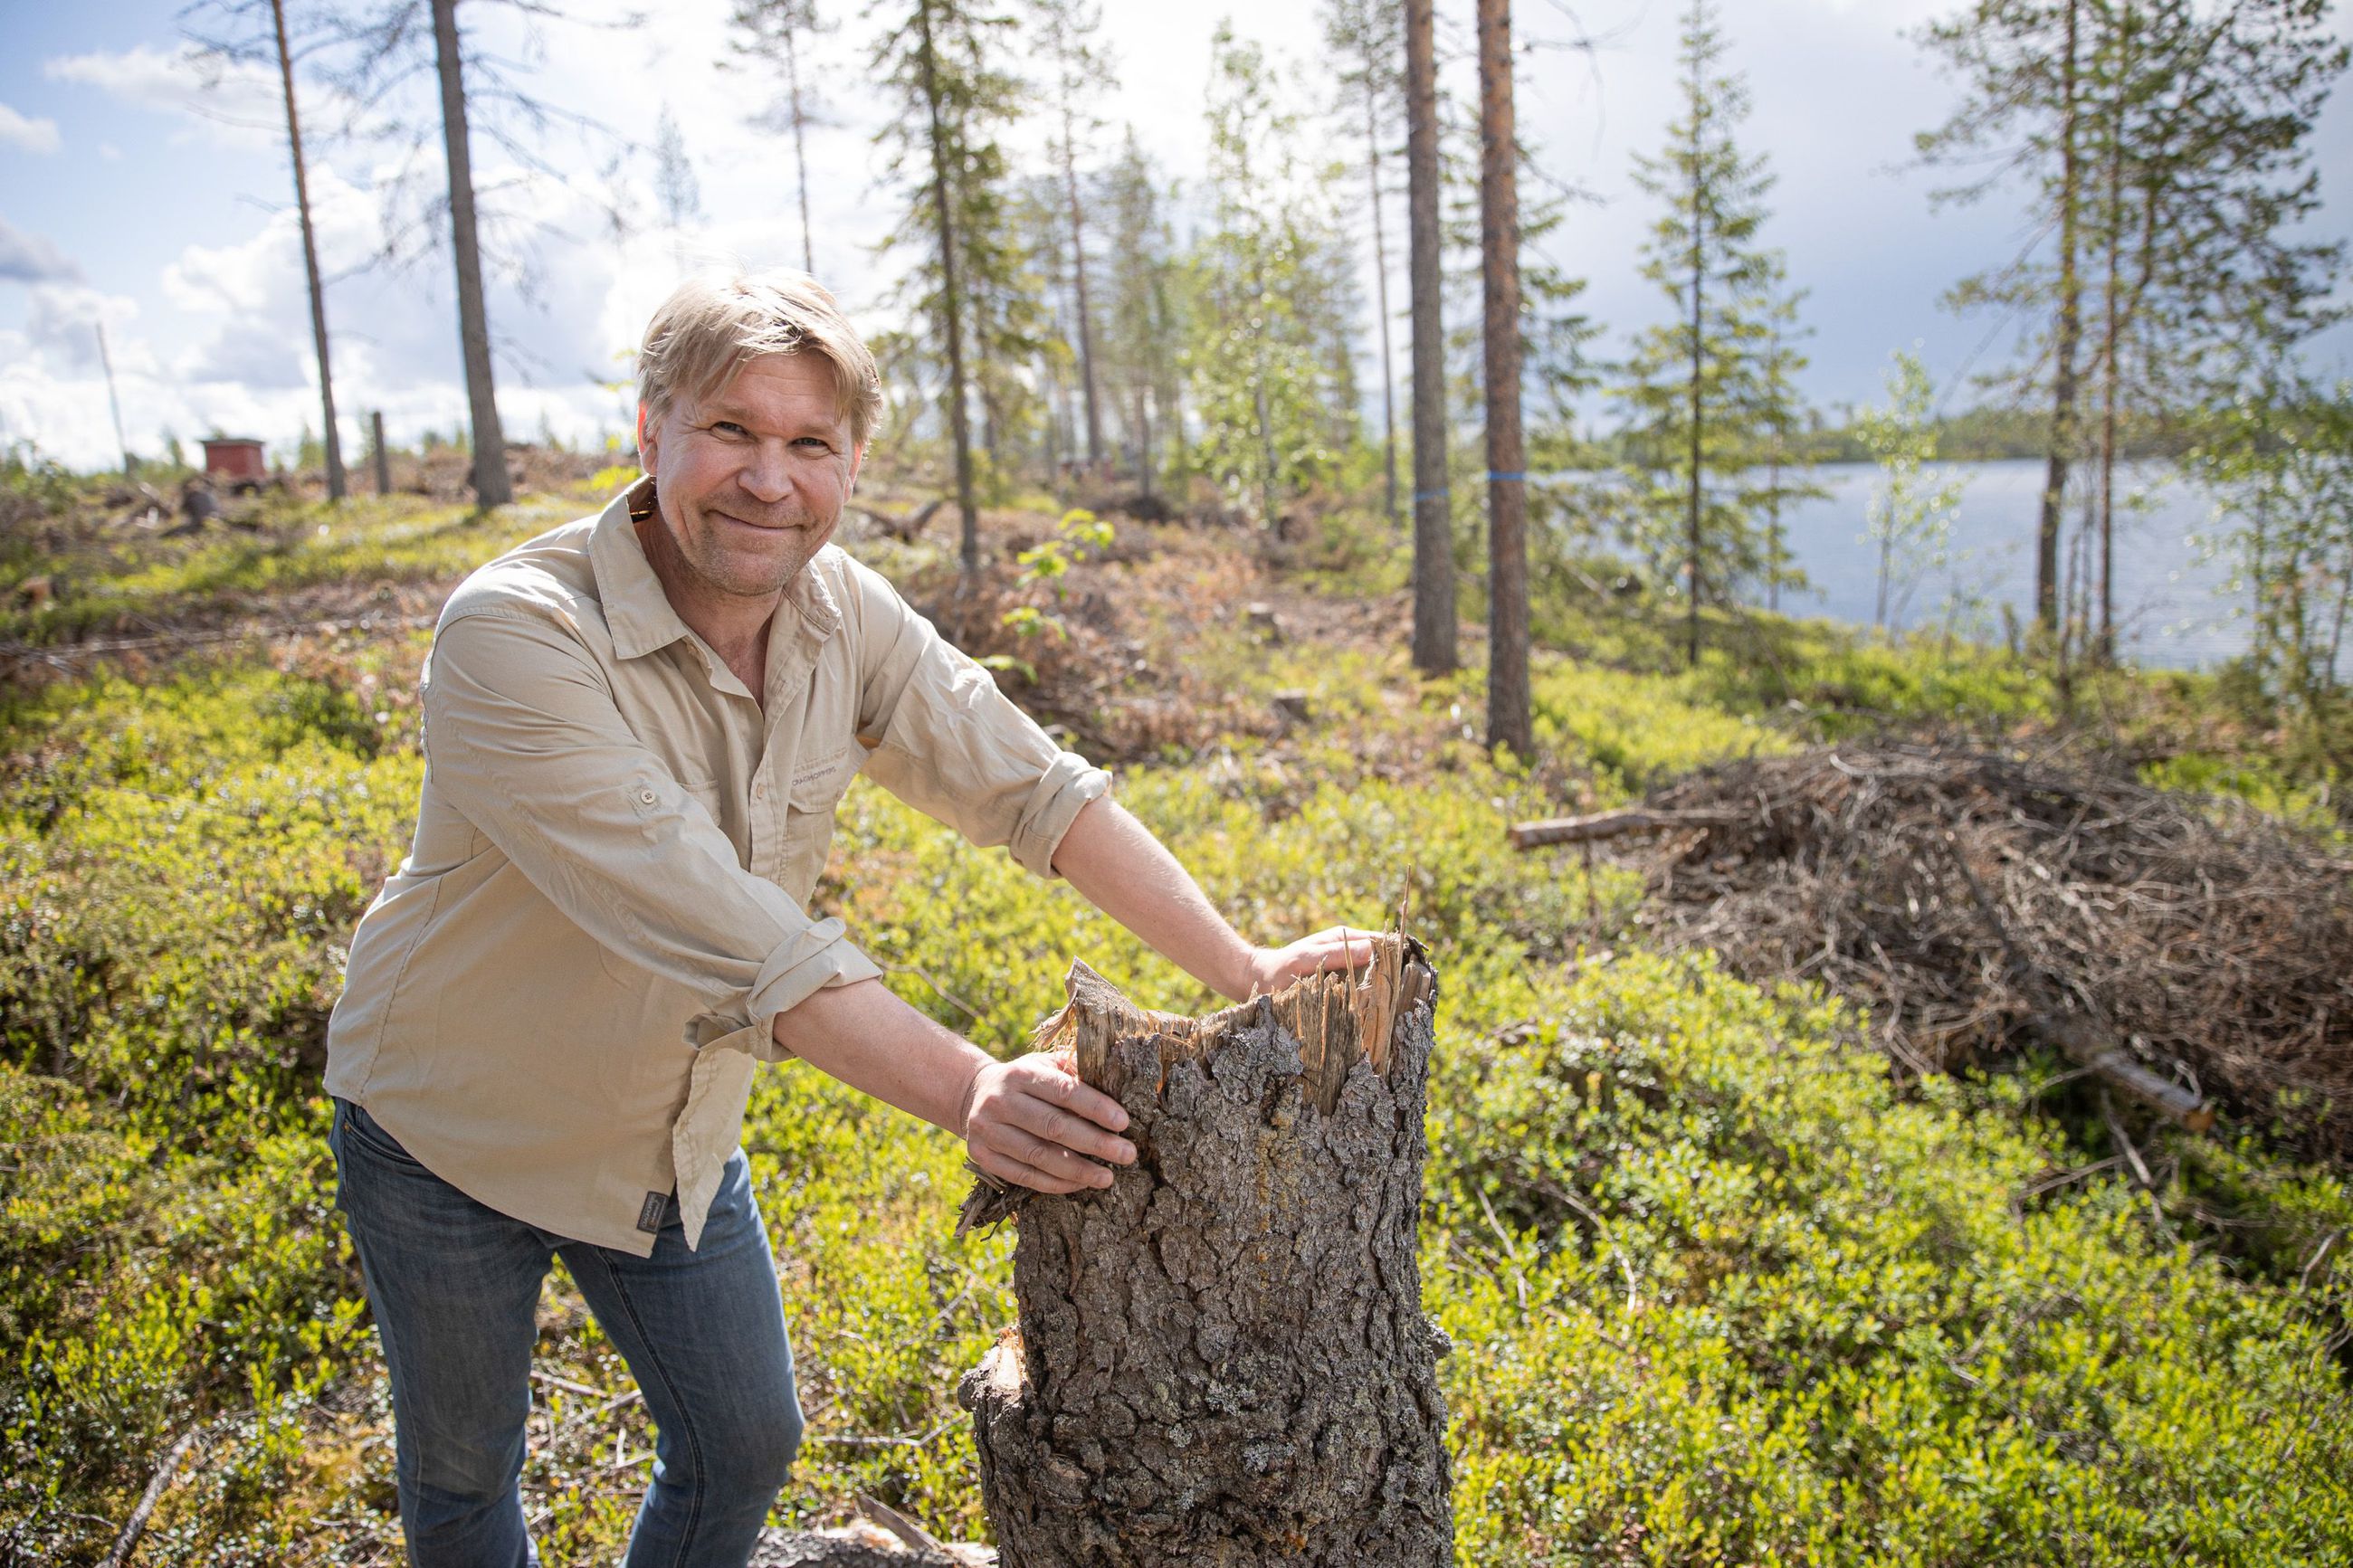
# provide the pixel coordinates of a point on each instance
(2171, 605)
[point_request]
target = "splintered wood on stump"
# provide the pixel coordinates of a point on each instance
(1221, 1359)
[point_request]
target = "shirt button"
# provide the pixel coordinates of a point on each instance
(646, 795)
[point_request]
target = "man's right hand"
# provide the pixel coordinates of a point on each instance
(1031, 1122)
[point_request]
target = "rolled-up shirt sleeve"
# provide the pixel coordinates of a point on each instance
(949, 743)
(522, 735)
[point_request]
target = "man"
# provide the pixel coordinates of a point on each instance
(637, 728)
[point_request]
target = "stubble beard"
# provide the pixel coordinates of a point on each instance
(715, 550)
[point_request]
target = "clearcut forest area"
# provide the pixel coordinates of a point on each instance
(1734, 1268)
(1889, 1096)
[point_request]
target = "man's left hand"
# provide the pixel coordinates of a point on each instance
(1336, 947)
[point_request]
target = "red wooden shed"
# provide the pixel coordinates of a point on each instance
(235, 458)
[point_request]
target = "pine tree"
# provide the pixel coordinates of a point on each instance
(1367, 38)
(249, 44)
(2166, 144)
(1696, 385)
(2022, 63)
(1509, 723)
(1780, 413)
(1079, 68)
(675, 187)
(780, 31)
(1433, 525)
(942, 58)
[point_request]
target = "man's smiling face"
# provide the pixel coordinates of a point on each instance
(751, 477)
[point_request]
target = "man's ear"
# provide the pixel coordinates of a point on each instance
(647, 440)
(857, 460)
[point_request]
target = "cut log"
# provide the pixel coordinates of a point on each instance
(1221, 1358)
(1612, 825)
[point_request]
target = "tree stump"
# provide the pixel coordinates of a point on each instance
(1221, 1359)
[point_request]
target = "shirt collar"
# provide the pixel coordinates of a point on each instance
(637, 611)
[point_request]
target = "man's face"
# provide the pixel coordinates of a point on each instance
(751, 478)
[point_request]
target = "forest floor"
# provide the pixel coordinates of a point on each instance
(1723, 1287)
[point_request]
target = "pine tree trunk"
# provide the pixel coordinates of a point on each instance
(334, 441)
(1381, 298)
(800, 143)
(1509, 722)
(491, 484)
(1221, 1359)
(1079, 286)
(950, 301)
(2062, 380)
(2111, 369)
(1434, 651)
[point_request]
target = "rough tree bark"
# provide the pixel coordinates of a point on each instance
(1221, 1359)
(1433, 526)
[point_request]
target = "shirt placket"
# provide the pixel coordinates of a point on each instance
(788, 710)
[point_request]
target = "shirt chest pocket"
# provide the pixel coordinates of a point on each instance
(816, 789)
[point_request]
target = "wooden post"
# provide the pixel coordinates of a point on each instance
(1221, 1358)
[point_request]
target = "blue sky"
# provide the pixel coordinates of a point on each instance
(133, 194)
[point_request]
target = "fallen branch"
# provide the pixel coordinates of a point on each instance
(2075, 1039)
(157, 1485)
(1612, 825)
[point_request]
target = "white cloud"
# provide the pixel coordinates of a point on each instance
(33, 257)
(31, 136)
(61, 329)
(234, 103)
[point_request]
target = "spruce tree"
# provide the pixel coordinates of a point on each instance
(1696, 385)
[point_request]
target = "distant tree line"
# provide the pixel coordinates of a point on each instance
(1074, 318)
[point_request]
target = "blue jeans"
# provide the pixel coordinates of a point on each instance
(455, 1287)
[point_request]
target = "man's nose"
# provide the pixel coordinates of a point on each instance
(767, 472)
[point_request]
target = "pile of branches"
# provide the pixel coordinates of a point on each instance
(2186, 950)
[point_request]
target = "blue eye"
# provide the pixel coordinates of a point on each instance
(729, 427)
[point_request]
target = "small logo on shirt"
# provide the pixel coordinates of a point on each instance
(650, 1212)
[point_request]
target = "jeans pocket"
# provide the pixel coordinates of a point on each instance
(362, 1129)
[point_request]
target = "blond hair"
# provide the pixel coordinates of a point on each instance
(710, 326)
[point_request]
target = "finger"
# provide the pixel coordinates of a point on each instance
(1071, 1168)
(1056, 1125)
(1058, 1086)
(1004, 1168)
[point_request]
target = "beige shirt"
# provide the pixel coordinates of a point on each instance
(556, 1002)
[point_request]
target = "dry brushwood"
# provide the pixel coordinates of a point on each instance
(1221, 1359)
(1977, 901)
